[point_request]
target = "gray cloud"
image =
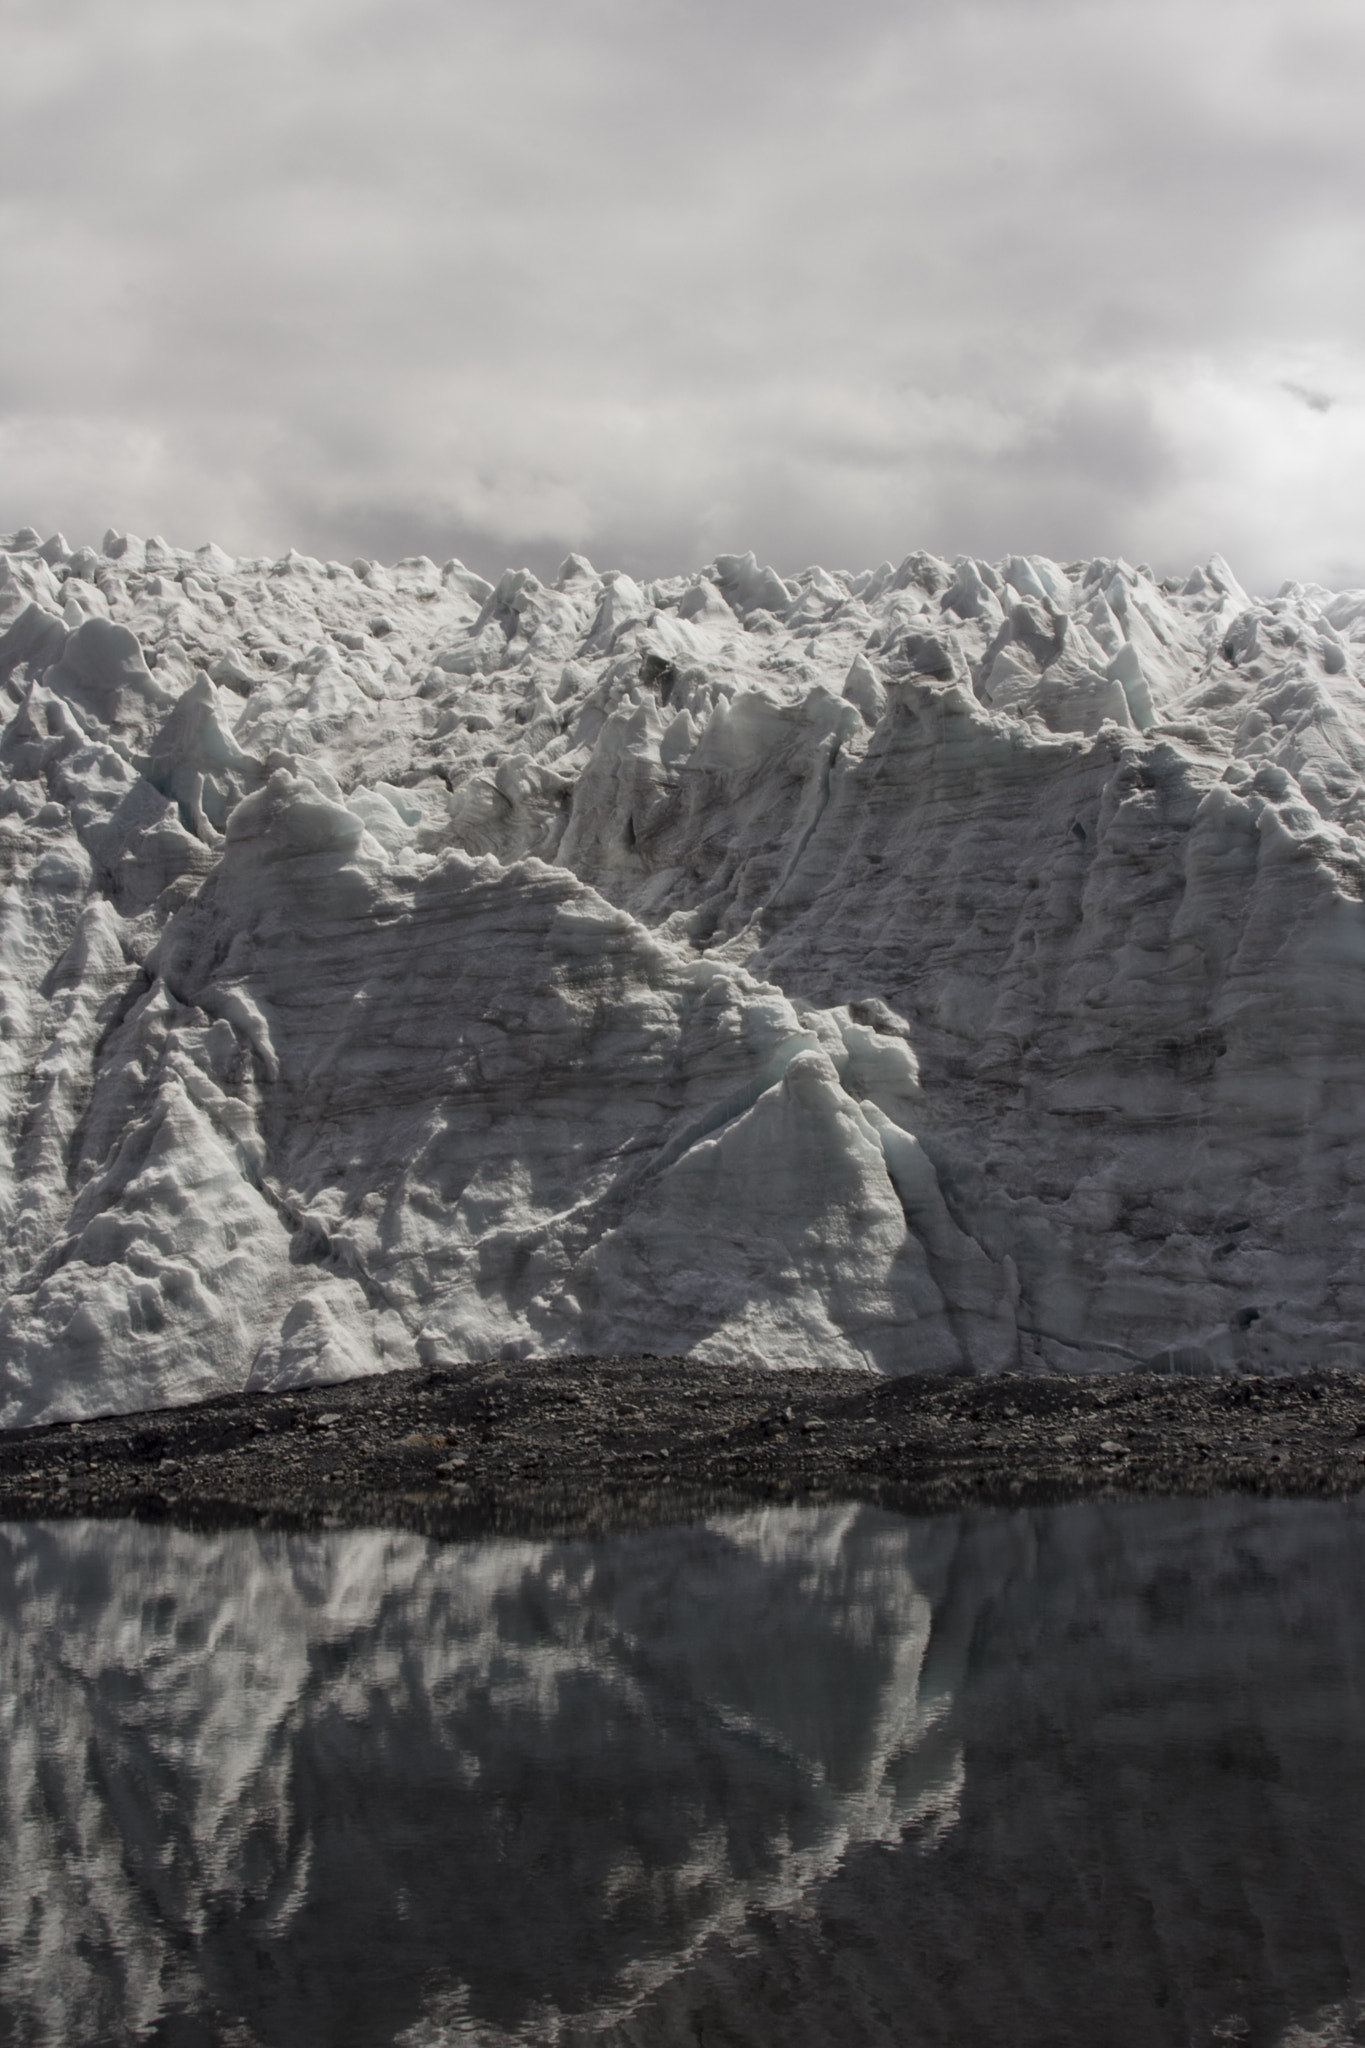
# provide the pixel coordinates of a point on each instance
(1316, 401)
(501, 277)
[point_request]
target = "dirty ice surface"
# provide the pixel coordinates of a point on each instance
(951, 966)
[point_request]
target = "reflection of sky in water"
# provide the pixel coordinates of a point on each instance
(797, 1776)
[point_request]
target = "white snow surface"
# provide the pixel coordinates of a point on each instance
(952, 966)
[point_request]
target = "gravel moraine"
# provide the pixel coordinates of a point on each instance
(581, 1445)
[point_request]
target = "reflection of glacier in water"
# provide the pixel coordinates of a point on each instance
(800, 1776)
(332, 1785)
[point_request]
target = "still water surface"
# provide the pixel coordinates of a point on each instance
(1093, 1775)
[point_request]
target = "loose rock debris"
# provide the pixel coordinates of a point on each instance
(581, 1445)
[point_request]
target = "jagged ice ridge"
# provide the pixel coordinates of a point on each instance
(949, 967)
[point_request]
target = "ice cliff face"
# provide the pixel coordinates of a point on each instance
(951, 966)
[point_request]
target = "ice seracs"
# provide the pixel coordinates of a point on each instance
(953, 966)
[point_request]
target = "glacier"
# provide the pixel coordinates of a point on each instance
(954, 966)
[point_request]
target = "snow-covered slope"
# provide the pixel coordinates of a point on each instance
(946, 966)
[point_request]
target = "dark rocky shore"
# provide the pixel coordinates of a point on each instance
(586, 1444)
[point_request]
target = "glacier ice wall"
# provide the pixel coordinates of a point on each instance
(952, 966)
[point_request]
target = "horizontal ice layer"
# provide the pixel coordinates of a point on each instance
(950, 967)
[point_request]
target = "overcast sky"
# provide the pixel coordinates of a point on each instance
(656, 278)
